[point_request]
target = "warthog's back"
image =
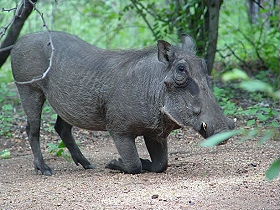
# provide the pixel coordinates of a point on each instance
(74, 84)
(30, 55)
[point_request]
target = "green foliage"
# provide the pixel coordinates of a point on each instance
(8, 94)
(6, 118)
(5, 74)
(8, 100)
(175, 132)
(219, 138)
(261, 114)
(223, 95)
(257, 85)
(254, 46)
(49, 116)
(274, 170)
(251, 85)
(234, 74)
(173, 19)
(258, 115)
(59, 150)
(245, 135)
(5, 154)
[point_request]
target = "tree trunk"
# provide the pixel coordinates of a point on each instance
(253, 11)
(255, 14)
(22, 14)
(213, 11)
(276, 13)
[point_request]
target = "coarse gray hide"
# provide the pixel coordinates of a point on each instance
(130, 93)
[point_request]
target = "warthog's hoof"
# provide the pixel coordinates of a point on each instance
(91, 166)
(44, 169)
(115, 164)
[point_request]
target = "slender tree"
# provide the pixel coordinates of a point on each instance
(212, 26)
(17, 23)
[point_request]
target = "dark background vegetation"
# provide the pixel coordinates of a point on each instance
(239, 39)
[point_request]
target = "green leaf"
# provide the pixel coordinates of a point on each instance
(268, 135)
(256, 85)
(249, 135)
(61, 145)
(235, 74)
(274, 170)
(52, 148)
(7, 107)
(5, 154)
(220, 137)
(53, 116)
(59, 152)
(274, 124)
(251, 122)
(276, 94)
(262, 117)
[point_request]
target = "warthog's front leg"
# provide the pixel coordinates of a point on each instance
(129, 161)
(157, 148)
(64, 130)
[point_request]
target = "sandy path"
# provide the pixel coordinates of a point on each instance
(230, 176)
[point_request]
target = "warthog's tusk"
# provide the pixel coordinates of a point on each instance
(204, 126)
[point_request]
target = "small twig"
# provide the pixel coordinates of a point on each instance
(250, 42)
(52, 49)
(8, 10)
(114, 30)
(151, 13)
(6, 48)
(243, 46)
(261, 31)
(219, 51)
(5, 28)
(253, 45)
(144, 18)
(258, 3)
(236, 56)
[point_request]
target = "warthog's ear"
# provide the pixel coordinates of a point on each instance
(165, 51)
(188, 43)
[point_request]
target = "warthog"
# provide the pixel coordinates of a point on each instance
(130, 93)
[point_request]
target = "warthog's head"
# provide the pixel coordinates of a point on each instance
(189, 100)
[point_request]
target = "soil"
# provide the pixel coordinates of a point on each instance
(229, 176)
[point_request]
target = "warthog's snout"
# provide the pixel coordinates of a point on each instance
(207, 129)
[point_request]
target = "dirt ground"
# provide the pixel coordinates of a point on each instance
(229, 176)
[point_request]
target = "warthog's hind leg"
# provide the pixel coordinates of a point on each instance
(32, 100)
(64, 130)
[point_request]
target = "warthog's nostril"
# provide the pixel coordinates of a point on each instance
(204, 126)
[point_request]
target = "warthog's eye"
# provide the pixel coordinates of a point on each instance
(181, 68)
(181, 75)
